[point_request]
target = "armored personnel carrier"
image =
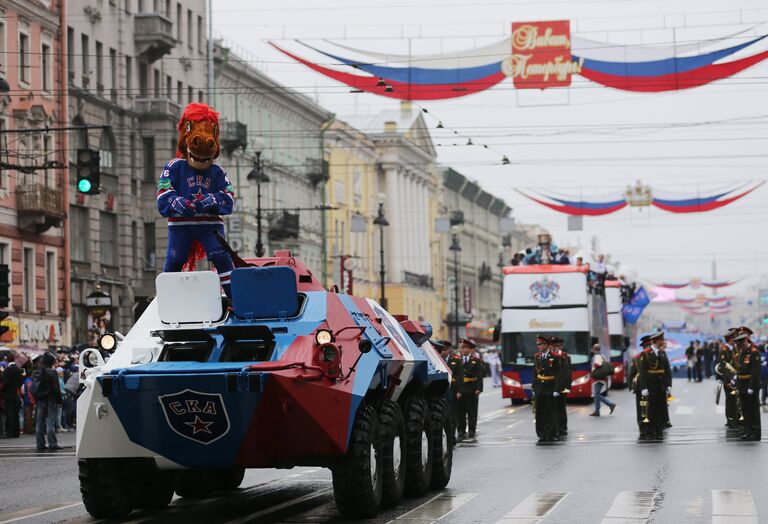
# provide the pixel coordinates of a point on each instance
(285, 374)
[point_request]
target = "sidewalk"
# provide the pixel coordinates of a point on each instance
(66, 440)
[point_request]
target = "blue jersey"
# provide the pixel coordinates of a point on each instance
(180, 180)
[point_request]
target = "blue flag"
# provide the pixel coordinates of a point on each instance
(634, 309)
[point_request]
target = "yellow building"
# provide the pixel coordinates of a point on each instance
(387, 159)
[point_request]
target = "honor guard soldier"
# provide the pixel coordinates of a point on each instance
(641, 406)
(455, 363)
(726, 371)
(655, 381)
(545, 383)
(563, 384)
(470, 387)
(748, 384)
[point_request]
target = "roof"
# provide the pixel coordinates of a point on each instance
(543, 268)
(407, 121)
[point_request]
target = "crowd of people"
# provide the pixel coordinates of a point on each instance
(38, 396)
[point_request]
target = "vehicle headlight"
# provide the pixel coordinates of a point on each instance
(510, 382)
(323, 336)
(329, 352)
(618, 368)
(107, 342)
(93, 359)
(581, 380)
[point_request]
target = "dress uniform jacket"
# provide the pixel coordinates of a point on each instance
(748, 378)
(655, 375)
(546, 380)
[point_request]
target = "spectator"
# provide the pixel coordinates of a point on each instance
(61, 424)
(11, 384)
(28, 402)
(599, 383)
(71, 390)
(48, 397)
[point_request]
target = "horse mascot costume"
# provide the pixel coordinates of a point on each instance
(194, 193)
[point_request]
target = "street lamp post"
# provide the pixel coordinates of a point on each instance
(456, 248)
(258, 176)
(382, 222)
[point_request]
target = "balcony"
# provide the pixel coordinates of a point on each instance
(234, 135)
(153, 35)
(283, 225)
(40, 208)
(158, 108)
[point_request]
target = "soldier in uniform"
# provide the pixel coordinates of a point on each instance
(563, 384)
(726, 371)
(655, 381)
(633, 379)
(455, 363)
(748, 385)
(470, 387)
(546, 369)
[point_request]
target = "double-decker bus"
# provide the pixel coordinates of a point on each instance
(619, 343)
(546, 300)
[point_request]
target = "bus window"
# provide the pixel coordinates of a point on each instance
(519, 348)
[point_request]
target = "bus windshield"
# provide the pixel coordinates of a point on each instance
(519, 348)
(617, 345)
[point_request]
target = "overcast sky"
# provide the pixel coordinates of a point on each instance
(574, 128)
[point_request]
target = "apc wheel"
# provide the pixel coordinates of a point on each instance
(155, 489)
(392, 432)
(442, 447)
(195, 484)
(105, 488)
(358, 479)
(418, 446)
(230, 479)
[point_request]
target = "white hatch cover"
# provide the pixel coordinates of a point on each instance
(189, 297)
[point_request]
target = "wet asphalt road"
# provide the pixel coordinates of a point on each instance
(600, 474)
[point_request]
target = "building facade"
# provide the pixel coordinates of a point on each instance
(479, 224)
(132, 67)
(289, 129)
(33, 189)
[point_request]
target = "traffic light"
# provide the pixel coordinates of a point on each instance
(3, 329)
(5, 287)
(88, 174)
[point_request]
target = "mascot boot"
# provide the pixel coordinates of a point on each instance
(194, 193)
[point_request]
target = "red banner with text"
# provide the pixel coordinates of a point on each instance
(541, 54)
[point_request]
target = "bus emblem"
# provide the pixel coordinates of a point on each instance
(544, 291)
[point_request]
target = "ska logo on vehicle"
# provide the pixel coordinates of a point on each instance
(197, 416)
(544, 291)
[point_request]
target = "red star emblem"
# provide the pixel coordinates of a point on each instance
(199, 195)
(199, 425)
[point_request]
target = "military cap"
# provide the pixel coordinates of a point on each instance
(468, 341)
(645, 340)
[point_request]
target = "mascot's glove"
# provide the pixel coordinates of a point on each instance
(183, 207)
(750, 391)
(206, 203)
(555, 394)
(644, 392)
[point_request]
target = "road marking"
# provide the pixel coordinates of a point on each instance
(435, 508)
(733, 506)
(684, 410)
(630, 507)
(36, 512)
(533, 509)
(287, 504)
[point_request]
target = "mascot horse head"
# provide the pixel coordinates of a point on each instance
(198, 136)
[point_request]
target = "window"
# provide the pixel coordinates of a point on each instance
(134, 245)
(79, 139)
(51, 283)
(178, 21)
(190, 94)
(24, 58)
(156, 74)
(128, 75)
(28, 291)
(5, 258)
(2, 45)
(71, 52)
(149, 246)
(199, 34)
(108, 230)
(106, 151)
(200, 96)
(113, 71)
(128, 6)
(143, 79)
(189, 28)
(85, 59)
(99, 67)
(148, 145)
(168, 8)
(79, 233)
(3, 181)
(179, 93)
(141, 6)
(48, 150)
(168, 87)
(45, 65)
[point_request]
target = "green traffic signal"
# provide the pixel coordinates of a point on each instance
(84, 185)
